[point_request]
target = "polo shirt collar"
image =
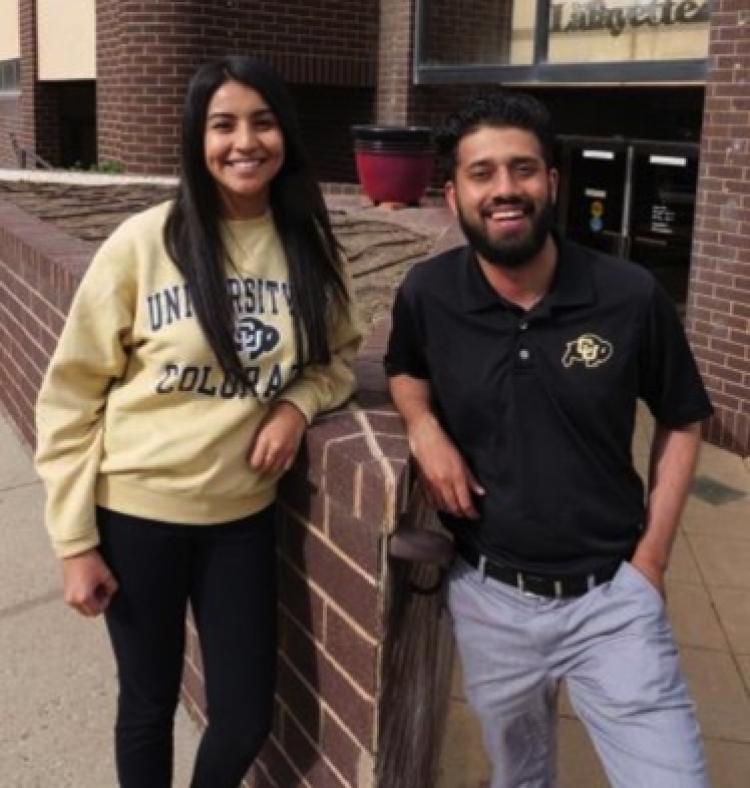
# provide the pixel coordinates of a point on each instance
(572, 284)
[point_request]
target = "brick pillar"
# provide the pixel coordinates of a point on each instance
(145, 56)
(109, 114)
(27, 34)
(337, 506)
(718, 313)
(395, 50)
(39, 103)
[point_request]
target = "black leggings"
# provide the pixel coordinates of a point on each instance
(227, 572)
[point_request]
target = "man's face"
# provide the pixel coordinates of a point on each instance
(503, 194)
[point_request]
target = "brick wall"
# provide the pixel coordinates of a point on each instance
(718, 314)
(395, 51)
(326, 115)
(40, 268)
(467, 31)
(110, 83)
(147, 52)
(344, 496)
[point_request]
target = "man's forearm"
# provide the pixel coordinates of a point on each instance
(448, 483)
(411, 396)
(412, 399)
(674, 453)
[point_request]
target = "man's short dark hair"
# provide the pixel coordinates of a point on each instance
(501, 109)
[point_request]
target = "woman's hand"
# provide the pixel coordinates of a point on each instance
(88, 585)
(277, 440)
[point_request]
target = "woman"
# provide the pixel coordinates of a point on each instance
(205, 336)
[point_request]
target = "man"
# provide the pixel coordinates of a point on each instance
(516, 362)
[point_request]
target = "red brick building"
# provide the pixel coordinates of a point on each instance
(144, 54)
(650, 96)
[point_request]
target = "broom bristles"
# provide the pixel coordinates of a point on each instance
(417, 666)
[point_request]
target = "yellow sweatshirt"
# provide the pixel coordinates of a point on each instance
(135, 413)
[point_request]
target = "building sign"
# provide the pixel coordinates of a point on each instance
(628, 30)
(503, 40)
(595, 15)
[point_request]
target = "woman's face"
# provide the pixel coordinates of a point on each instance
(244, 149)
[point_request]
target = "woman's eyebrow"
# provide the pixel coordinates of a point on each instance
(258, 113)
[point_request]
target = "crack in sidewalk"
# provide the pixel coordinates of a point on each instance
(29, 604)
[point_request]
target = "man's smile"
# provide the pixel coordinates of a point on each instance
(509, 217)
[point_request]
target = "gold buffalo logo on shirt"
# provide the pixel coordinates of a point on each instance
(589, 349)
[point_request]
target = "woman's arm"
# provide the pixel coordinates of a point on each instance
(319, 387)
(91, 352)
(322, 387)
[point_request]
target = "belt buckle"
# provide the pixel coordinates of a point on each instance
(521, 585)
(557, 590)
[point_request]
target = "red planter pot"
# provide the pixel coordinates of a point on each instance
(394, 177)
(394, 164)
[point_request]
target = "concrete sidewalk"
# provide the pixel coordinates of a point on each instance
(57, 677)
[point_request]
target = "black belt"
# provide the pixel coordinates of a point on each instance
(540, 585)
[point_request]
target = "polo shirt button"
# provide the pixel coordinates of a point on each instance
(523, 325)
(524, 354)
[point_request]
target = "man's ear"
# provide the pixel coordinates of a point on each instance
(554, 182)
(449, 190)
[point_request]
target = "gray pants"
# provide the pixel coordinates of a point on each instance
(613, 646)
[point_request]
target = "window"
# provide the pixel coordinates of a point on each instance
(478, 32)
(562, 41)
(10, 75)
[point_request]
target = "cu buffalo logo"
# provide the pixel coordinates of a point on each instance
(254, 337)
(589, 349)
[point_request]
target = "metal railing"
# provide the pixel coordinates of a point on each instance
(26, 157)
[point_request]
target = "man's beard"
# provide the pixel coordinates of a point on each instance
(511, 252)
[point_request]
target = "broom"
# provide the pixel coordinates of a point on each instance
(417, 652)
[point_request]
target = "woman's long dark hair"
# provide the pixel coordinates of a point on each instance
(193, 237)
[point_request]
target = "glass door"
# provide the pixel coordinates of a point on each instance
(663, 206)
(593, 199)
(633, 199)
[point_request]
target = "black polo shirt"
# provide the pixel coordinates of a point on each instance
(541, 403)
